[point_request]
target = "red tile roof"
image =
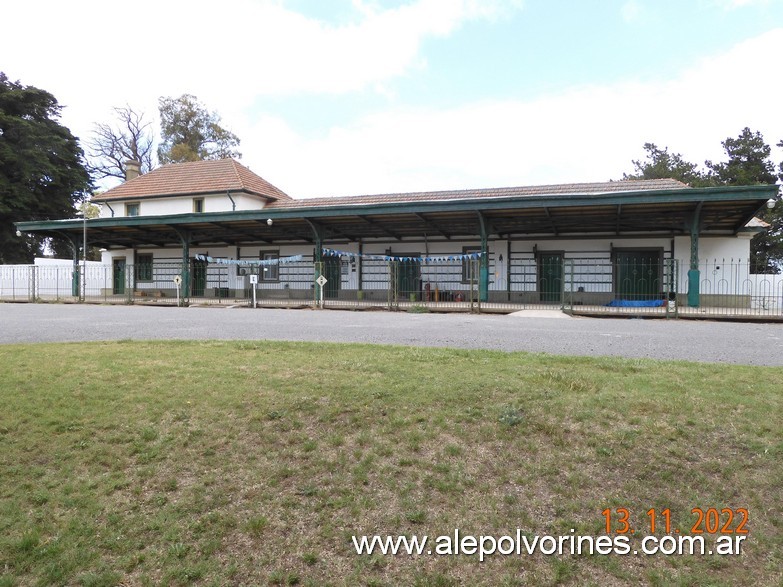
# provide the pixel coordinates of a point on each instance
(198, 177)
(509, 192)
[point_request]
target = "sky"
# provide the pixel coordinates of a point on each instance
(344, 97)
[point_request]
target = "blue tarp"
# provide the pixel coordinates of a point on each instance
(637, 303)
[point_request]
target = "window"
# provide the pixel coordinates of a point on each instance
(467, 263)
(198, 205)
(269, 272)
(132, 209)
(144, 267)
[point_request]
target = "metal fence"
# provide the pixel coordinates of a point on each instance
(642, 287)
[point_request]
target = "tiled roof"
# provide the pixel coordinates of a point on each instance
(198, 177)
(509, 192)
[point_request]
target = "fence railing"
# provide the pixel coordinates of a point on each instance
(640, 287)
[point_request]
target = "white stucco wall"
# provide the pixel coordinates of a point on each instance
(588, 266)
(183, 205)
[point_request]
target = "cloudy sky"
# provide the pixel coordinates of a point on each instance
(342, 97)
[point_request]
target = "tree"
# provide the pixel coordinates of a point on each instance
(111, 145)
(42, 170)
(661, 164)
(749, 164)
(190, 132)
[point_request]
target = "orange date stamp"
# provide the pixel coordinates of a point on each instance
(704, 521)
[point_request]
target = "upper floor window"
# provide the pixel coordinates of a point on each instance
(132, 209)
(198, 205)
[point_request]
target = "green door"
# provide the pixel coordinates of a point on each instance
(409, 279)
(638, 275)
(198, 276)
(118, 277)
(333, 277)
(550, 276)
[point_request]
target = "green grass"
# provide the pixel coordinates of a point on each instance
(221, 463)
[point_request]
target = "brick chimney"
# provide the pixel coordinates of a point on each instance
(132, 169)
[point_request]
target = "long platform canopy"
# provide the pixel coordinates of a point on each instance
(622, 208)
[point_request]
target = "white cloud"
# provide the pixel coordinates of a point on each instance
(108, 56)
(585, 134)
(228, 54)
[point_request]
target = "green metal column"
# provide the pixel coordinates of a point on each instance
(484, 261)
(694, 277)
(184, 236)
(318, 255)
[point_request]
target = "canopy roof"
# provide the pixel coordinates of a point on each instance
(622, 208)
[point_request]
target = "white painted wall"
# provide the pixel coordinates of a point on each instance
(184, 205)
(588, 260)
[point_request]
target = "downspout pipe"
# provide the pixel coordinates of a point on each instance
(233, 203)
(110, 209)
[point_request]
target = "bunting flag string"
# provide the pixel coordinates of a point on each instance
(475, 255)
(250, 262)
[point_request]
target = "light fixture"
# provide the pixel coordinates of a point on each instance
(18, 233)
(269, 222)
(771, 203)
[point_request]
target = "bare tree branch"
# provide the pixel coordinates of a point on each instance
(111, 145)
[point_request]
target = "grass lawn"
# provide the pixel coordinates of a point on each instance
(218, 463)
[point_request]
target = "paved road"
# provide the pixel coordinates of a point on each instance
(725, 342)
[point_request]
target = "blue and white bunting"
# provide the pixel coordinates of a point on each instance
(434, 259)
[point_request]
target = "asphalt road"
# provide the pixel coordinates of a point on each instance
(714, 342)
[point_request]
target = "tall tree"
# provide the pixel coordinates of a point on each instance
(190, 132)
(42, 171)
(749, 164)
(660, 164)
(112, 144)
(748, 161)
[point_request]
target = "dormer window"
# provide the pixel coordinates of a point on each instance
(132, 209)
(198, 205)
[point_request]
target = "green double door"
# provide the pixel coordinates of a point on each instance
(638, 275)
(198, 278)
(118, 277)
(550, 277)
(333, 275)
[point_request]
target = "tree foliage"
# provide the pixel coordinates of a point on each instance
(112, 144)
(42, 171)
(660, 164)
(190, 132)
(747, 163)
